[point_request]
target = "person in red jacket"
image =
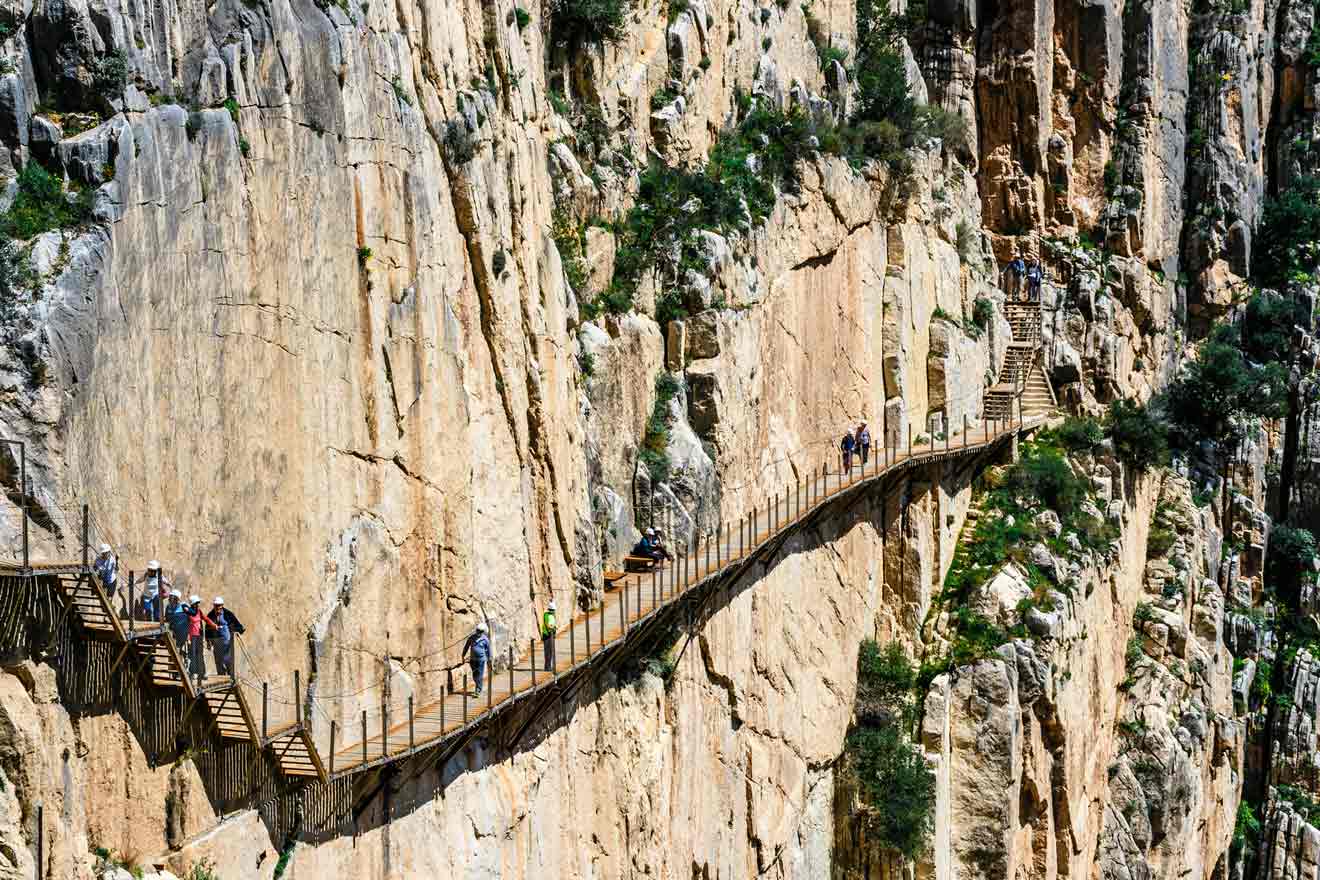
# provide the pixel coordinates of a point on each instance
(197, 622)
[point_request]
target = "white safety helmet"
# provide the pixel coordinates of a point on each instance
(105, 548)
(153, 565)
(481, 626)
(194, 599)
(218, 600)
(650, 533)
(551, 606)
(175, 594)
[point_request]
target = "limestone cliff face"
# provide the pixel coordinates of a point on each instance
(319, 352)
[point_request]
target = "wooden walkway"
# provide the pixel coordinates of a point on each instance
(518, 673)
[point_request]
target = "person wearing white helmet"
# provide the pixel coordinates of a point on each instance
(176, 618)
(197, 623)
(549, 627)
(155, 591)
(106, 568)
(221, 638)
(478, 646)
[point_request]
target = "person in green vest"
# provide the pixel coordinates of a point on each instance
(549, 626)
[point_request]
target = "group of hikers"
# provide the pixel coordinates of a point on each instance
(856, 444)
(1020, 269)
(187, 622)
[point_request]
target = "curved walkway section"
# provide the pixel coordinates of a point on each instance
(405, 730)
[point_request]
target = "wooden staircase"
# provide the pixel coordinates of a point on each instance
(1022, 388)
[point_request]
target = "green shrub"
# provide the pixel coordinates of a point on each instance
(1266, 333)
(983, 312)
(41, 205)
(1043, 473)
(232, 106)
(244, 147)
(1160, 539)
(1286, 241)
(897, 788)
(1246, 830)
(1289, 561)
(587, 21)
(1219, 386)
(933, 121)
(1080, 433)
(522, 17)
(16, 276)
(194, 124)
(363, 255)
(885, 678)
(1140, 440)
(654, 452)
(110, 74)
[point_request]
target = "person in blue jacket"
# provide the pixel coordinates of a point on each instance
(478, 646)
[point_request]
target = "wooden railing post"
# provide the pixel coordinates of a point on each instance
(572, 643)
(265, 710)
(964, 430)
(655, 603)
(909, 439)
(531, 646)
(297, 697)
(132, 602)
(364, 737)
(332, 748)
(412, 735)
(601, 640)
(490, 685)
(384, 727)
(86, 557)
(444, 696)
(511, 665)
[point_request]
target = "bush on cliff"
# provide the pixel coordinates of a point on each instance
(41, 205)
(587, 21)
(896, 788)
(1290, 561)
(1286, 242)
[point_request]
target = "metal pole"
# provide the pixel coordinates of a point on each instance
(412, 736)
(384, 727)
(23, 491)
(964, 430)
(364, 737)
(443, 697)
(490, 687)
(332, 748)
(572, 643)
(623, 609)
(909, 439)
(601, 640)
(297, 696)
(511, 665)
(654, 602)
(587, 621)
(265, 710)
(465, 698)
(86, 563)
(132, 602)
(531, 645)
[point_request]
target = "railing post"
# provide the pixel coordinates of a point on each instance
(531, 646)
(86, 561)
(490, 684)
(384, 727)
(412, 736)
(265, 710)
(708, 569)
(623, 609)
(572, 643)
(297, 696)
(601, 640)
(587, 621)
(132, 601)
(511, 665)
(444, 696)
(909, 439)
(654, 601)
(964, 430)
(332, 747)
(233, 657)
(27, 561)
(364, 738)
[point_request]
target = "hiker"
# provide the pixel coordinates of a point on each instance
(658, 542)
(863, 443)
(549, 627)
(1017, 267)
(106, 568)
(227, 626)
(197, 622)
(1034, 276)
(847, 445)
(478, 645)
(650, 546)
(176, 618)
(155, 590)
(155, 605)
